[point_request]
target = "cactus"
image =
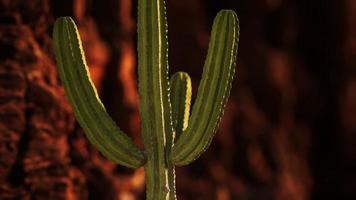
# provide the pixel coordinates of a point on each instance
(169, 138)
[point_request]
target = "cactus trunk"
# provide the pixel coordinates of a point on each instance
(155, 108)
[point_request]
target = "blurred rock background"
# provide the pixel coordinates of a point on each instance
(289, 129)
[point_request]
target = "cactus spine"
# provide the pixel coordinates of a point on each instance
(169, 138)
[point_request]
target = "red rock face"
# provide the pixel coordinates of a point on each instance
(35, 122)
(288, 131)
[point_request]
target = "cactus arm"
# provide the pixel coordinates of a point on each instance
(181, 93)
(156, 122)
(213, 90)
(82, 95)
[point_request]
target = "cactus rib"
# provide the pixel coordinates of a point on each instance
(82, 95)
(213, 90)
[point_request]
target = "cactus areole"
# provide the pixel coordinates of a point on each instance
(170, 134)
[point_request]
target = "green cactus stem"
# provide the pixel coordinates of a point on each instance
(181, 93)
(170, 135)
(82, 95)
(155, 110)
(213, 92)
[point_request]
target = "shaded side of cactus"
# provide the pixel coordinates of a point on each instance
(170, 135)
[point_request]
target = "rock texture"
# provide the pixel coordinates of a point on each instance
(288, 131)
